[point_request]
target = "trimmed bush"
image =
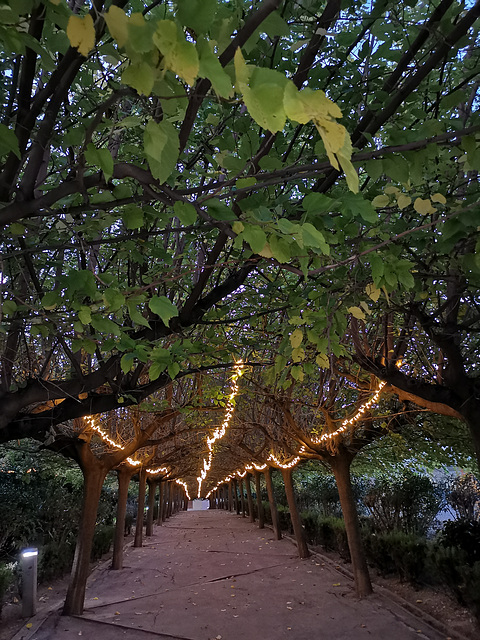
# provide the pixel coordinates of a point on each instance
(397, 552)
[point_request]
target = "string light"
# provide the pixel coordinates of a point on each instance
(106, 438)
(350, 421)
(158, 470)
(221, 431)
(284, 465)
(184, 485)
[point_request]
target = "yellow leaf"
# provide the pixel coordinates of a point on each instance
(29, 625)
(296, 338)
(322, 361)
(356, 313)
(336, 584)
(298, 354)
(237, 227)
(266, 252)
(380, 201)
(391, 190)
(423, 206)
(438, 197)
(403, 200)
(81, 33)
(303, 106)
(372, 292)
(178, 55)
(117, 23)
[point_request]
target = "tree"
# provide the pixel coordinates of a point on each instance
(145, 195)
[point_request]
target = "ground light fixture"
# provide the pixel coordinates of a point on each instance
(29, 559)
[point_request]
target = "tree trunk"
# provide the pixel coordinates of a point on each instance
(169, 499)
(251, 513)
(273, 505)
(242, 498)
(237, 500)
(230, 496)
(142, 481)
(94, 476)
(124, 476)
(164, 500)
(152, 488)
(298, 529)
(160, 503)
(341, 468)
(261, 513)
(472, 418)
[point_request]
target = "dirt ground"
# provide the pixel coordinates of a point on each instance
(215, 576)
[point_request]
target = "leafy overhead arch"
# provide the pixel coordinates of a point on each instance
(170, 172)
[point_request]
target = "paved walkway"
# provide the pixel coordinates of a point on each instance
(211, 575)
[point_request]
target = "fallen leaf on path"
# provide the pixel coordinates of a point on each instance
(336, 584)
(29, 625)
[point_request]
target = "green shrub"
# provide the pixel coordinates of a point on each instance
(409, 503)
(6, 578)
(463, 534)
(55, 559)
(463, 496)
(398, 552)
(284, 517)
(102, 540)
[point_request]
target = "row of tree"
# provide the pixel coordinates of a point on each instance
(190, 182)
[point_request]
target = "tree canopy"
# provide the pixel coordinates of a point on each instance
(187, 183)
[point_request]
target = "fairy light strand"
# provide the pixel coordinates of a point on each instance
(348, 422)
(106, 438)
(222, 429)
(184, 485)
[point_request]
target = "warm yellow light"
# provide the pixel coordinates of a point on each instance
(221, 431)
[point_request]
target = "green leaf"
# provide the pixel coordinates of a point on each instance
(317, 203)
(198, 15)
(357, 205)
(297, 373)
(113, 299)
(185, 212)
(173, 369)
(135, 314)
(210, 67)
(85, 315)
(220, 211)
(161, 148)
(8, 142)
(101, 158)
(262, 91)
(161, 306)
(279, 248)
(397, 168)
(126, 362)
(50, 300)
(132, 216)
(255, 236)
(374, 168)
(104, 325)
(314, 238)
(377, 266)
(156, 368)
(274, 25)
(140, 76)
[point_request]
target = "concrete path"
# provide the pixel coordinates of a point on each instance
(211, 575)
